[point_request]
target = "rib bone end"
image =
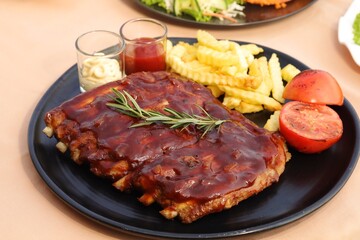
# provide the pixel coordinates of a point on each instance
(49, 131)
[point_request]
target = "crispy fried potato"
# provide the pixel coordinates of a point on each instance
(216, 58)
(259, 68)
(205, 74)
(265, 72)
(252, 48)
(206, 39)
(215, 90)
(272, 124)
(275, 74)
(252, 97)
(169, 45)
(197, 66)
(179, 50)
(229, 70)
(289, 72)
(231, 102)
(241, 106)
(249, 83)
(245, 107)
(242, 61)
(191, 52)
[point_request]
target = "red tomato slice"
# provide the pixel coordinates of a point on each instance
(309, 128)
(314, 86)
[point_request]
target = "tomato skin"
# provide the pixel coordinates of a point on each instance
(314, 86)
(309, 128)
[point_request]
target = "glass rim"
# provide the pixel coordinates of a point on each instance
(152, 20)
(121, 41)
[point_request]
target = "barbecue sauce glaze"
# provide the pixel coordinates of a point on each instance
(178, 163)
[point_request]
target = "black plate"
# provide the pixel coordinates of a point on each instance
(254, 14)
(308, 182)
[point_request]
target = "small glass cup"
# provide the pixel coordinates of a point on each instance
(145, 45)
(100, 58)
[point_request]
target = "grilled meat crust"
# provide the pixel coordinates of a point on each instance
(213, 174)
(190, 176)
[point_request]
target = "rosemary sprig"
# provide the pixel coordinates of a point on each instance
(127, 105)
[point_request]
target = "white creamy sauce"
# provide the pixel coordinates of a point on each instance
(99, 70)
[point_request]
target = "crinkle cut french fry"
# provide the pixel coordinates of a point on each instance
(190, 52)
(252, 48)
(176, 51)
(272, 124)
(254, 68)
(215, 90)
(231, 102)
(197, 66)
(206, 39)
(252, 97)
(263, 89)
(202, 77)
(289, 72)
(229, 70)
(245, 107)
(216, 58)
(242, 62)
(275, 73)
(259, 68)
(248, 56)
(264, 68)
(241, 106)
(211, 78)
(169, 45)
(249, 84)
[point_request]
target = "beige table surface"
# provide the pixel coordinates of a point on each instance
(37, 46)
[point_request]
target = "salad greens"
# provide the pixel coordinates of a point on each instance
(356, 29)
(202, 10)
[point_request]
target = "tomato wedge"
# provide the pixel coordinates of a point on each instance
(309, 128)
(314, 86)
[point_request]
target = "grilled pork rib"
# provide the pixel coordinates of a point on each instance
(188, 174)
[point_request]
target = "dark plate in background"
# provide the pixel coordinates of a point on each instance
(309, 181)
(254, 14)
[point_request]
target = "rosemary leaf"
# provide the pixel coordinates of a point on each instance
(127, 105)
(141, 124)
(173, 112)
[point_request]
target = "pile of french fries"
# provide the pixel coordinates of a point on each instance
(247, 83)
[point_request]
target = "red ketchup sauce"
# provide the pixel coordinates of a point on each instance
(144, 55)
